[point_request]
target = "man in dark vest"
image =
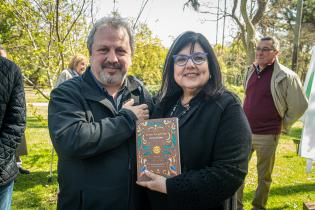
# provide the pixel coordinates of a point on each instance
(274, 100)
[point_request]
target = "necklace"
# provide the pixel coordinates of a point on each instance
(181, 114)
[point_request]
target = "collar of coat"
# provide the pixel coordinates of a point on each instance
(90, 90)
(279, 71)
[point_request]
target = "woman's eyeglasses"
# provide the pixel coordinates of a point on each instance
(197, 58)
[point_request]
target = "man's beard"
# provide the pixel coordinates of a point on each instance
(107, 79)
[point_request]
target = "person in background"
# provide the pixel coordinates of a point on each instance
(92, 120)
(22, 148)
(12, 125)
(274, 100)
(76, 68)
(214, 134)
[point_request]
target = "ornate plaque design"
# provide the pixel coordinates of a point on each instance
(158, 147)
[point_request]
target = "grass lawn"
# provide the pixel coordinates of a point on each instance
(33, 191)
(291, 186)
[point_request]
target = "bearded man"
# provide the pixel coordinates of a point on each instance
(92, 123)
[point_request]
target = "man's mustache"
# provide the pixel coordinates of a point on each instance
(111, 65)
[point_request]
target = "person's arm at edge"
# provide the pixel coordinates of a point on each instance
(13, 127)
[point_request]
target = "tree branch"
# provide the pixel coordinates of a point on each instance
(260, 11)
(238, 22)
(193, 3)
(74, 22)
(18, 15)
(139, 14)
(35, 87)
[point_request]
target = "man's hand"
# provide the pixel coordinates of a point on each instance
(141, 111)
(157, 182)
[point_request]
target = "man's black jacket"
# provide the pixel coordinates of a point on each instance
(95, 144)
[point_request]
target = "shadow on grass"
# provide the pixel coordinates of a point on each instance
(279, 207)
(292, 189)
(33, 191)
(33, 122)
(34, 179)
(30, 200)
(284, 191)
(289, 156)
(39, 159)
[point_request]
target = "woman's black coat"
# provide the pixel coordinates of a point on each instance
(215, 141)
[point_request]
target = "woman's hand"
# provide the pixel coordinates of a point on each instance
(157, 182)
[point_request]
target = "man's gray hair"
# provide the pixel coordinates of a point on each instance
(275, 42)
(111, 21)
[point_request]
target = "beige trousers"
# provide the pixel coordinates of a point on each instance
(265, 147)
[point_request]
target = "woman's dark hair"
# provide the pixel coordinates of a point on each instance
(169, 88)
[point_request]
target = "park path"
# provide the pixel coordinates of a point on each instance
(32, 97)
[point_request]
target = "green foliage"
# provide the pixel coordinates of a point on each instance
(43, 46)
(238, 90)
(291, 186)
(232, 60)
(153, 89)
(148, 60)
(7, 22)
(34, 39)
(40, 118)
(280, 21)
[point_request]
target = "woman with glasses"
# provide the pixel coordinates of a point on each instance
(214, 135)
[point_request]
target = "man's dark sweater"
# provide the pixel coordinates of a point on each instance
(259, 106)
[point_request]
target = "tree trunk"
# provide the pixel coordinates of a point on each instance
(297, 30)
(250, 35)
(246, 24)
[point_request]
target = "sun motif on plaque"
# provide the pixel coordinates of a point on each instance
(158, 147)
(156, 150)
